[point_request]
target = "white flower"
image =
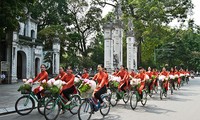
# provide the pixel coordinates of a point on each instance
(93, 86)
(161, 77)
(76, 80)
(58, 83)
(44, 81)
(146, 77)
(41, 88)
(171, 76)
(176, 76)
(136, 81)
(24, 80)
(114, 78)
(182, 75)
(64, 83)
(50, 82)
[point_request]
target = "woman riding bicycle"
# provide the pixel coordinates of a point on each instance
(123, 75)
(61, 73)
(149, 73)
(166, 74)
(171, 81)
(107, 81)
(100, 77)
(85, 74)
(116, 71)
(155, 80)
(40, 77)
(69, 87)
(141, 76)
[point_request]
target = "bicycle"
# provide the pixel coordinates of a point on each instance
(88, 107)
(53, 106)
(26, 103)
(163, 90)
(187, 79)
(171, 85)
(136, 97)
(183, 80)
(118, 95)
(147, 87)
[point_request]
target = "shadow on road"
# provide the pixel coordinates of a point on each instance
(109, 117)
(153, 109)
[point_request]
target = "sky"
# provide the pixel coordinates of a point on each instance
(195, 16)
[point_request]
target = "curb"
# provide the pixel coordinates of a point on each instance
(5, 111)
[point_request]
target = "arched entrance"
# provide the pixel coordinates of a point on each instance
(21, 65)
(32, 34)
(37, 66)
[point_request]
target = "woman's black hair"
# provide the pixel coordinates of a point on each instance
(62, 67)
(43, 65)
(100, 65)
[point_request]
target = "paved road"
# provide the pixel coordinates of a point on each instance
(183, 105)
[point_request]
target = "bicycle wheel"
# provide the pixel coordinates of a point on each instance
(133, 101)
(51, 110)
(126, 97)
(144, 98)
(113, 100)
(156, 89)
(151, 93)
(171, 88)
(24, 105)
(187, 80)
(106, 108)
(85, 110)
(41, 104)
(161, 93)
(75, 103)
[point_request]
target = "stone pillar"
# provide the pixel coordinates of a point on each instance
(135, 50)
(118, 44)
(130, 54)
(131, 47)
(13, 75)
(108, 47)
(56, 56)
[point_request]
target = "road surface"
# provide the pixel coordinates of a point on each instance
(183, 105)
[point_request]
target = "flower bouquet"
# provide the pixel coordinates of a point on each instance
(162, 78)
(153, 77)
(172, 77)
(147, 79)
(56, 87)
(26, 87)
(43, 85)
(114, 83)
(182, 76)
(135, 83)
(187, 74)
(77, 81)
(176, 78)
(87, 87)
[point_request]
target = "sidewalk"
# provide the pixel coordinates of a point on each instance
(8, 97)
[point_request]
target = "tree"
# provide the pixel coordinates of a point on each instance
(150, 18)
(11, 12)
(86, 21)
